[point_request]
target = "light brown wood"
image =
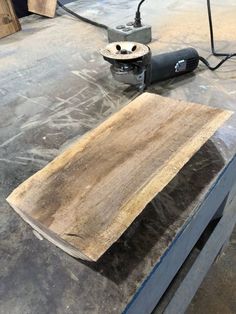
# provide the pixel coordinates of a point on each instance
(43, 7)
(87, 197)
(9, 22)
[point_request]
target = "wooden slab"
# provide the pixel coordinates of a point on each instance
(43, 7)
(9, 22)
(87, 197)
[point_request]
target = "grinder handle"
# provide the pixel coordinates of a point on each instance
(172, 64)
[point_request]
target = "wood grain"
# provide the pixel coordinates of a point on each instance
(87, 197)
(9, 22)
(43, 7)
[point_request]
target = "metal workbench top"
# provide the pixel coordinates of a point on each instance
(54, 86)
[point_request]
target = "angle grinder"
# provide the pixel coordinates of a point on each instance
(132, 63)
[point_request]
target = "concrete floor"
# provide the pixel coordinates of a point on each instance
(217, 294)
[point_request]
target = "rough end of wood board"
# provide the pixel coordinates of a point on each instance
(163, 122)
(43, 7)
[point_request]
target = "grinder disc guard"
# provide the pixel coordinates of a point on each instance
(130, 62)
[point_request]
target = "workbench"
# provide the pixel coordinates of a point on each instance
(54, 87)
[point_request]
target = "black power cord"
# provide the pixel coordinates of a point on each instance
(137, 20)
(226, 56)
(82, 18)
(218, 65)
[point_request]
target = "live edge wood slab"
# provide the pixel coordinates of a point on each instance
(87, 197)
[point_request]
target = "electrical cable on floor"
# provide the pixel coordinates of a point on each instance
(218, 65)
(226, 56)
(82, 18)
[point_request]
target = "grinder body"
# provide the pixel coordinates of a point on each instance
(133, 63)
(172, 64)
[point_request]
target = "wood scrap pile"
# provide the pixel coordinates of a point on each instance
(9, 23)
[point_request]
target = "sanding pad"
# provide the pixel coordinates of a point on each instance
(124, 50)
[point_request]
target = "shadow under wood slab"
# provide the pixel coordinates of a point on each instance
(9, 22)
(43, 7)
(88, 196)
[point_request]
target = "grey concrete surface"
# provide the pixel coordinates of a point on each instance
(217, 294)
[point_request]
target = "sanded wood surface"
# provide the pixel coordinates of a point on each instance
(43, 7)
(9, 22)
(87, 197)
